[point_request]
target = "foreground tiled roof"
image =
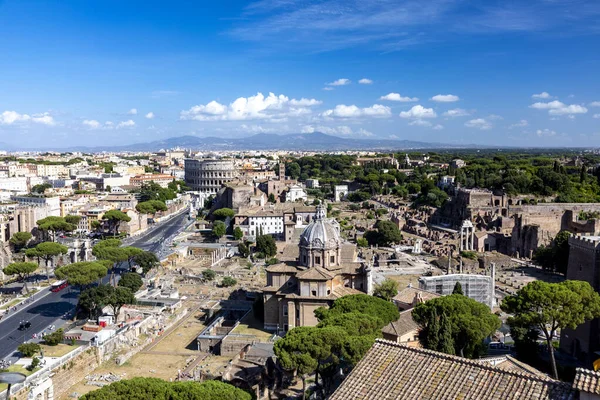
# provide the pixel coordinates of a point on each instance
(395, 371)
(587, 381)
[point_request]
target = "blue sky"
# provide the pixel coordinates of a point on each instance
(453, 71)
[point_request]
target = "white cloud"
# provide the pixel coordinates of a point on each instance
(126, 124)
(92, 123)
(365, 81)
(545, 132)
(543, 95)
(352, 111)
(438, 127)
(457, 112)
(479, 123)
(133, 111)
(12, 117)
(343, 130)
(398, 97)
(445, 98)
(418, 112)
(44, 118)
(595, 104)
(420, 122)
(305, 102)
(272, 107)
(327, 88)
(597, 116)
(568, 110)
(547, 106)
(521, 124)
(559, 108)
(150, 115)
(340, 82)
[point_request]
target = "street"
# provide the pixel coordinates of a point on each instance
(57, 308)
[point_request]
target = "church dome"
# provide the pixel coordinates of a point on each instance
(322, 233)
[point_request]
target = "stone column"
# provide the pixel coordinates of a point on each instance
(472, 236)
(462, 239)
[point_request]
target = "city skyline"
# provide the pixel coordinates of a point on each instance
(486, 73)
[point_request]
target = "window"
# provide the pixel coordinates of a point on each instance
(318, 260)
(285, 311)
(304, 259)
(314, 293)
(328, 292)
(332, 259)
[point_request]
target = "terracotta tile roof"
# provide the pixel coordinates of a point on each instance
(509, 363)
(395, 371)
(315, 274)
(402, 326)
(282, 267)
(587, 381)
(342, 291)
(407, 295)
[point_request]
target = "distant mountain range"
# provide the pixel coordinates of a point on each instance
(302, 141)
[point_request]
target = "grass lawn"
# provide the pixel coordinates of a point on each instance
(16, 368)
(252, 326)
(57, 351)
(10, 304)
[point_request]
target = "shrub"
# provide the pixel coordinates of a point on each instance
(54, 338)
(228, 281)
(28, 349)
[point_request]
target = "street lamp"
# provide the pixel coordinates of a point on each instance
(11, 378)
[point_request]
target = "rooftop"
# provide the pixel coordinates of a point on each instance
(395, 371)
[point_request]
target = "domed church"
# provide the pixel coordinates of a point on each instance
(320, 267)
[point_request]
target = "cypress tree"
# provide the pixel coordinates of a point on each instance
(446, 342)
(457, 289)
(433, 331)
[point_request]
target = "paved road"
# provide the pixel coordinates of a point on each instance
(56, 308)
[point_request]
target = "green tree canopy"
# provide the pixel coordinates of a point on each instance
(29, 349)
(73, 220)
(94, 299)
(209, 274)
(266, 244)
(22, 269)
(131, 280)
(114, 218)
(151, 206)
(386, 234)
(228, 281)
(386, 290)
(551, 306)
(153, 191)
(82, 273)
(20, 240)
(118, 297)
(55, 224)
(470, 322)
(223, 213)
(457, 289)
(361, 303)
(157, 389)
(237, 233)
(219, 229)
(147, 260)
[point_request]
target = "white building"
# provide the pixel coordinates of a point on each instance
(295, 193)
(51, 203)
(14, 185)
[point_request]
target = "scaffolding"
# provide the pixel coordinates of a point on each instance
(477, 287)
